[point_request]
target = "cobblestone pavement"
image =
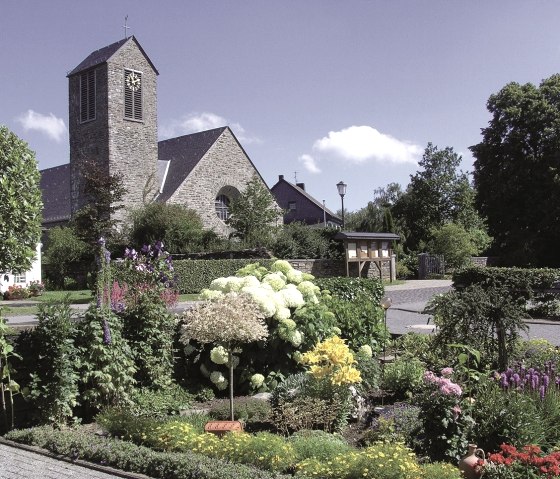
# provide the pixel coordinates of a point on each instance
(17, 463)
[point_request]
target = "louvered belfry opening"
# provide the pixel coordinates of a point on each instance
(133, 98)
(87, 96)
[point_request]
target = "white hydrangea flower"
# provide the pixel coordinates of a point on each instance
(222, 386)
(217, 377)
(263, 298)
(282, 313)
(292, 297)
(288, 324)
(294, 276)
(365, 351)
(297, 356)
(219, 355)
(274, 280)
(281, 265)
(219, 284)
(257, 380)
(308, 277)
(336, 330)
(296, 338)
(234, 284)
(210, 294)
(250, 281)
(308, 289)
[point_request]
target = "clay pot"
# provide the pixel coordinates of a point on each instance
(468, 463)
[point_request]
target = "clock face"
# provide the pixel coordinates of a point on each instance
(133, 81)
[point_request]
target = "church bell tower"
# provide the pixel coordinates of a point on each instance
(113, 120)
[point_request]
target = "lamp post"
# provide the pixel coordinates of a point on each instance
(341, 186)
(385, 303)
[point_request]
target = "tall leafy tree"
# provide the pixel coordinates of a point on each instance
(437, 194)
(516, 172)
(103, 193)
(253, 213)
(20, 203)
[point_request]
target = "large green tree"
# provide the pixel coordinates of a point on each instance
(179, 228)
(516, 172)
(437, 194)
(20, 203)
(254, 213)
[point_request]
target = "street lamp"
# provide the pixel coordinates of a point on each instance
(341, 186)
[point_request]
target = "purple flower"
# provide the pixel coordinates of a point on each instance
(542, 390)
(504, 381)
(516, 379)
(106, 333)
(546, 380)
(446, 372)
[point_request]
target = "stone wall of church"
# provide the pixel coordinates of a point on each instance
(225, 169)
(133, 144)
(119, 146)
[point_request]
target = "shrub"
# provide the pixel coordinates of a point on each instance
(105, 366)
(440, 470)
(398, 422)
(380, 461)
(529, 461)
(253, 412)
(130, 457)
(159, 403)
(298, 240)
(16, 292)
(318, 445)
(403, 377)
(54, 384)
(351, 289)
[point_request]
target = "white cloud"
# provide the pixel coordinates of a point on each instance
(309, 163)
(195, 122)
(49, 124)
(360, 144)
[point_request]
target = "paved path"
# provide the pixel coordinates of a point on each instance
(17, 463)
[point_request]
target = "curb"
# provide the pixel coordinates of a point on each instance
(78, 462)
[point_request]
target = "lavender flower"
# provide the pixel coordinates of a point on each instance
(106, 333)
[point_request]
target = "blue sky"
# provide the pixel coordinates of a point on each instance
(335, 90)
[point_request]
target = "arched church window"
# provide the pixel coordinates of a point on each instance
(222, 207)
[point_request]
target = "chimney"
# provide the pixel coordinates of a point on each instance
(301, 185)
(280, 177)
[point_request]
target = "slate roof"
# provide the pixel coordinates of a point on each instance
(357, 235)
(103, 54)
(305, 194)
(184, 153)
(55, 190)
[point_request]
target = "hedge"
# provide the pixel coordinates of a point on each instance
(194, 275)
(129, 457)
(515, 279)
(350, 288)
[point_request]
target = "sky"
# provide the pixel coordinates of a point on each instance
(321, 91)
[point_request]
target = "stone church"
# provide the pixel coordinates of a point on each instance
(113, 121)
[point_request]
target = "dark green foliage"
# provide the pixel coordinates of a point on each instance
(54, 384)
(488, 320)
(105, 365)
(398, 422)
(254, 213)
(195, 275)
(355, 305)
(349, 289)
(297, 240)
(64, 253)
(148, 328)
(102, 193)
(253, 412)
(179, 228)
(130, 457)
(517, 280)
(159, 403)
(20, 203)
(403, 377)
(516, 172)
(316, 322)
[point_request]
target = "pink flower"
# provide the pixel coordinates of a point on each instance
(446, 372)
(456, 411)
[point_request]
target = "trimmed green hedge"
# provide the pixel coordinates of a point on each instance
(129, 457)
(194, 275)
(515, 279)
(350, 288)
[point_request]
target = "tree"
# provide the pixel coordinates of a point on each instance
(253, 213)
(179, 228)
(436, 195)
(454, 243)
(516, 172)
(103, 193)
(20, 203)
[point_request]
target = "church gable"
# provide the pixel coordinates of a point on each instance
(220, 176)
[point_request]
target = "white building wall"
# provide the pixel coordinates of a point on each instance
(34, 274)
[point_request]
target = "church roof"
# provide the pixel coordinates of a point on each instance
(184, 153)
(55, 189)
(103, 54)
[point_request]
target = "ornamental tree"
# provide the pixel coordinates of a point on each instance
(20, 203)
(230, 321)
